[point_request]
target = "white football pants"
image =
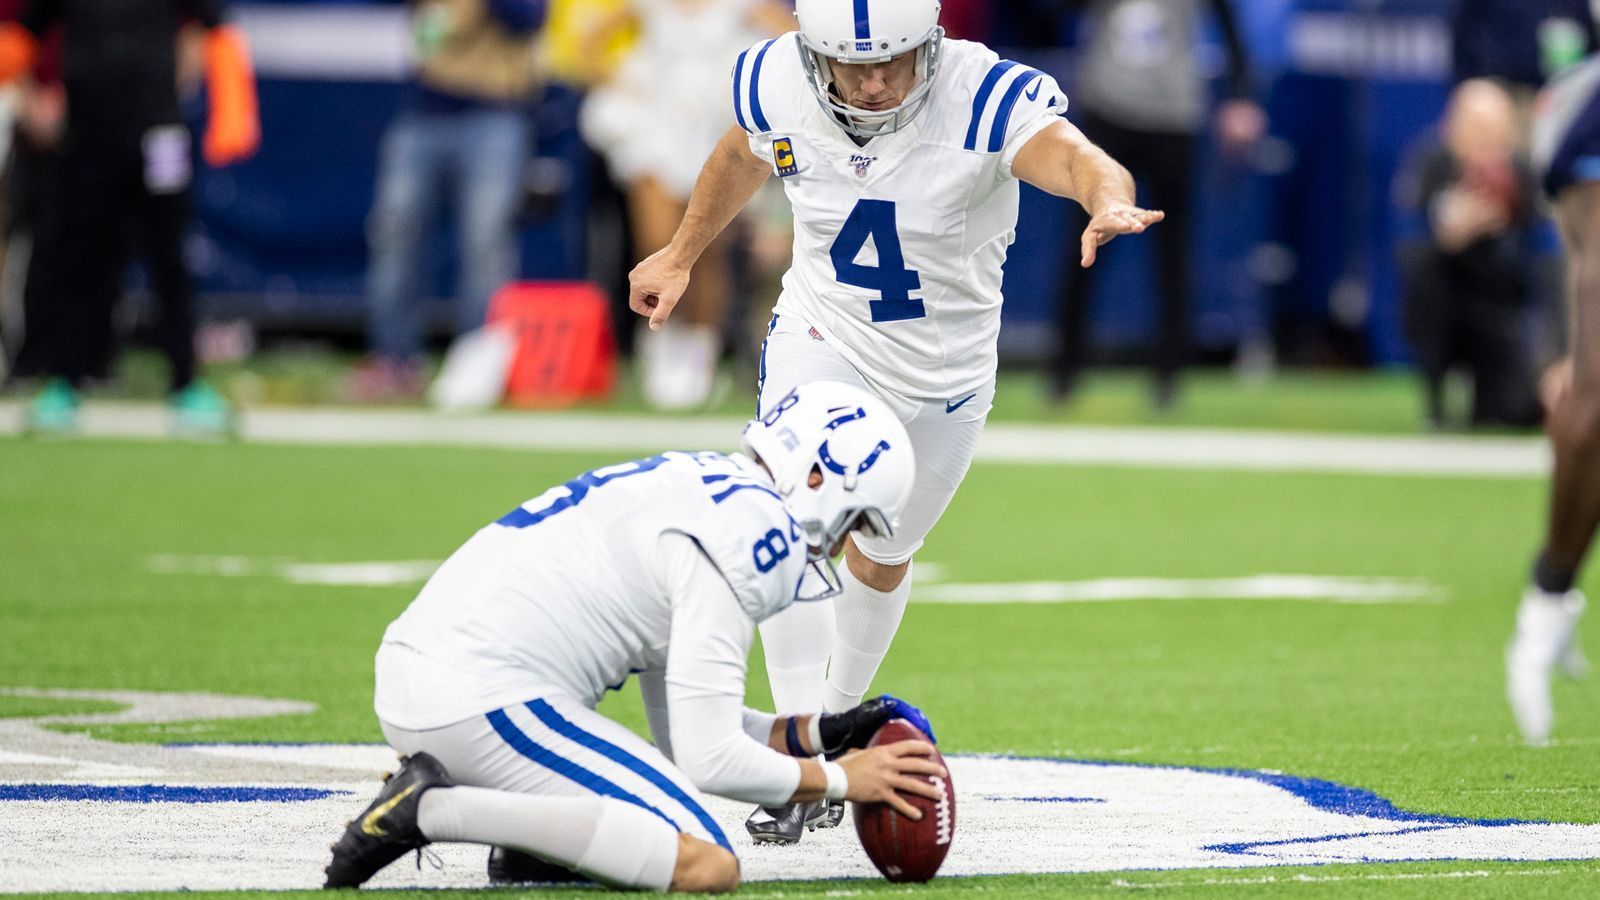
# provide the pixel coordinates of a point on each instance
(944, 431)
(560, 751)
(800, 641)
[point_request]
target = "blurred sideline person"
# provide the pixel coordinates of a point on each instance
(126, 173)
(655, 121)
(1144, 97)
(1566, 145)
(33, 204)
(901, 154)
(460, 142)
(1469, 283)
(660, 568)
(585, 41)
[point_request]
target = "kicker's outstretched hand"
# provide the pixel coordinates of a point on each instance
(655, 286)
(1116, 219)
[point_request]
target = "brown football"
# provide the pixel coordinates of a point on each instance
(904, 850)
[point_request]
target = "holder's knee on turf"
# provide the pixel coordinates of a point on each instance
(704, 868)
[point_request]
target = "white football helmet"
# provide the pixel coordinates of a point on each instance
(857, 452)
(869, 31)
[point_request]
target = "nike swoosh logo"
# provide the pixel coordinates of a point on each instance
(950, 407)
(369, 822)
(1033, 94)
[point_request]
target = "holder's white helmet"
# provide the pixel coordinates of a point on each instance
(853, 447)
(869, 31)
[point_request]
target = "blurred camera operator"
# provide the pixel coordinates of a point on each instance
(1469, 281)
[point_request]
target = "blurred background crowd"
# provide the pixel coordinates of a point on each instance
(1345, 181)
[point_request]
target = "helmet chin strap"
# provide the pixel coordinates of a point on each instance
(857, 131)
(888, 119)
(864, 125)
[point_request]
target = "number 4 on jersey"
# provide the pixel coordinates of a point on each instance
(875, 219)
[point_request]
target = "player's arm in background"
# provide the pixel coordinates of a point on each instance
(728, 180)
(1060, 160)
(735, 752)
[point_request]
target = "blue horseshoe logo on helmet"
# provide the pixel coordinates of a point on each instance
(859, 413)
(832, 465)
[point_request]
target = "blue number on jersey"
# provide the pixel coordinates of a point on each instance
(771, 549)
(577, 489)
(875, 219)
(784, 405)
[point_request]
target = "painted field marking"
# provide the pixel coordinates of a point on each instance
(222, 816)
(350, 574)
(275, 835)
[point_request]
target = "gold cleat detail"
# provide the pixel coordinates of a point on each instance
(369, 822)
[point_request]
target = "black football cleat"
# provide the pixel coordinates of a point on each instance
(832, 815)
(511, 867)
(387, 830)
(784, 824)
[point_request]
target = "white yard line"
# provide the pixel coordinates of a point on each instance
(1315, 588)
(1163, 448)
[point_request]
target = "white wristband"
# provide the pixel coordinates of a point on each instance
(814, 734)
(838, 782)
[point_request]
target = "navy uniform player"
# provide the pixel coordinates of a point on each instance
(660, 567)
(1566, 144)
(901, 154)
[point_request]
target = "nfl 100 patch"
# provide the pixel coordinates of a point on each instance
(783, 157)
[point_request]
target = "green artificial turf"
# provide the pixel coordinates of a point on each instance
(1402, 881)
(1404, 700)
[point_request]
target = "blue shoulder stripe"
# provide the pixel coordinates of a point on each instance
(738, 82)
(981, 101)
(755, 87)
(1002, 116)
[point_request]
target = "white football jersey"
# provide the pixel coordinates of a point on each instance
(562, 593)
(899, 244)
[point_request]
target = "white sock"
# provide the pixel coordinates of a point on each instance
(700, 346)
(867, 621)
(611, 841)
(656, 352)
(796, 644)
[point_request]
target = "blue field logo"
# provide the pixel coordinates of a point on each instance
(261, 816)
(783, 157)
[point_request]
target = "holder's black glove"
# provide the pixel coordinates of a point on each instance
(853, 728)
